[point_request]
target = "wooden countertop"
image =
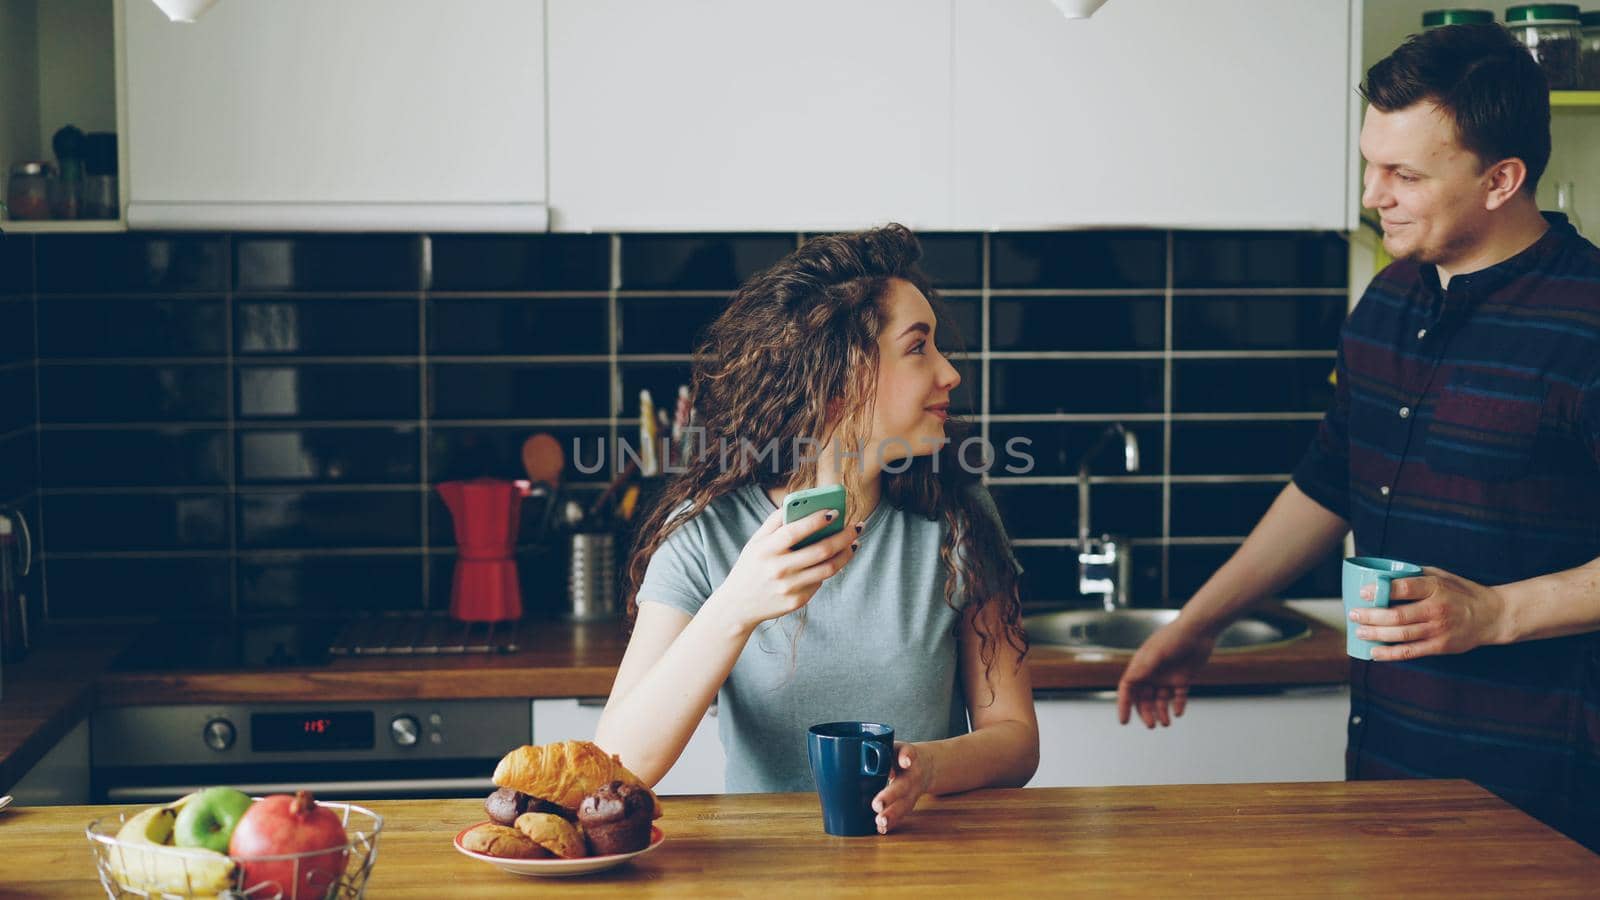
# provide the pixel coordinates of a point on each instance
(561, 659)
(1362, 839)
(45, 696)
(53, 689)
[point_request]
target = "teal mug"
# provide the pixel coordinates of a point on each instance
(1360, 571)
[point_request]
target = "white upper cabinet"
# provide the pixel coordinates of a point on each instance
(1180, 113)
(733, 114)
(356, 114)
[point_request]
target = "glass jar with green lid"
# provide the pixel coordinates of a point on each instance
(1434, 18)
(1550, 32)
(1589, 56)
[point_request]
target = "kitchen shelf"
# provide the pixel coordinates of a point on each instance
(1575, 100)
(82, 226)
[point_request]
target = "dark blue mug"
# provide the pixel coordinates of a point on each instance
(850, 761)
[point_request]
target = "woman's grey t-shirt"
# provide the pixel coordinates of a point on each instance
(878, 642)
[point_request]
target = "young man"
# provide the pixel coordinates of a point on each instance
(1464, 436)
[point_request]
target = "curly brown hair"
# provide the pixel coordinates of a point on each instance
(794, 359)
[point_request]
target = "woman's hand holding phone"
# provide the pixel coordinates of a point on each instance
(771, 580)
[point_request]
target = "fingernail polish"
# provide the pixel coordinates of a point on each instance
(829, 515)
(859, 527)
(877, 807)
(854, 546)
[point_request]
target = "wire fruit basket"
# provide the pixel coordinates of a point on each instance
(147, 870)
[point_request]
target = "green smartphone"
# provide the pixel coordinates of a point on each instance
(800, 504)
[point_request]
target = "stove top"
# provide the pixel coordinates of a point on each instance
(309, 643)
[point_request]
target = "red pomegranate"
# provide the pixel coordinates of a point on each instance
(281, 824)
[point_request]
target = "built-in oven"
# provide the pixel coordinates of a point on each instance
(338, 751)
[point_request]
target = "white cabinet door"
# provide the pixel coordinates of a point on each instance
(352, 114)
(710, 114)
(1293, 735)
(1181, 113)
(698, 771)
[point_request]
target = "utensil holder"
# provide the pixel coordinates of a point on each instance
(592, 576)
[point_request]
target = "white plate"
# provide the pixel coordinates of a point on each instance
(558, 868)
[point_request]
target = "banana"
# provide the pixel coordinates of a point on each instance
(177, 805)
(141, 861)
(152, 826)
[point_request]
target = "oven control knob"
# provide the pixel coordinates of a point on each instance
(405, 730)
(219, 734)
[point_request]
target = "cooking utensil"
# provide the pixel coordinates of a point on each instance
(544, 461)
(649, 467)
(612, 488)
(630, 498)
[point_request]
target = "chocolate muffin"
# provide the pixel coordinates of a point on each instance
(616, 818)
(505, 805)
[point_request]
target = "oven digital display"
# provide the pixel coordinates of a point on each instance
(285, 732)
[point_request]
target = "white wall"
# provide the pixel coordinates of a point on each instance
(77, 44)
(19, 82)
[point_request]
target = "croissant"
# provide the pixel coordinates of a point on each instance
(564, 773)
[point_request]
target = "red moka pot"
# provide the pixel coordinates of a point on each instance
(486, 512)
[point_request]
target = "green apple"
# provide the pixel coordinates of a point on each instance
(207, 820)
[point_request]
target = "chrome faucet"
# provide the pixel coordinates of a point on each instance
(1104, 563)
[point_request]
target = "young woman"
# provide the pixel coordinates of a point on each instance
(825, 370)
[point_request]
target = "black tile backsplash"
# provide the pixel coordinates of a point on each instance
(309, 519)
(518, 391)
(112, 263)
(323, 585)
(1200, 510)
(1096, 386)
(168, 521)
(1089, 260)
(1053, 449)
(132, 327)
(253, 425)
(120, 587)
(19, 472)
(1189, 566)
(368, 327)
(518, 327)
(953, 261)
(1046, 511)
(327, 263)
(473, 262)
(74, 394)
(670, 262)
(1252, 385)
(16, 330)
(16, 263)
(1077, 323)
(142, 457)
(1239, 448)
(328, 391)
(1258, 260)
(17, 386)
(331, 455)
(665, 324)
(1287, 322)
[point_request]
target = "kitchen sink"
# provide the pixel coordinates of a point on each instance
(1125, 629)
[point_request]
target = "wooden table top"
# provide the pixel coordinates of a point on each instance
(1362, 839)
